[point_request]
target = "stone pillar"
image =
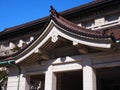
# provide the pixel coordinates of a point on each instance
(50, 79)
(89, 76)
(27, 86)
(23, 80)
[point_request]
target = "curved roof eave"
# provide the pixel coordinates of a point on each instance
(54, 29)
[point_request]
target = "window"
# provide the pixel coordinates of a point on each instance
(88, 23)
(112, 17)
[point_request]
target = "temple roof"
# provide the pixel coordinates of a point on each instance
(71, 28)
(108, 36)
(112, 33)
(75, 28)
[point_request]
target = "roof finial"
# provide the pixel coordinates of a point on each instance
(53, 12)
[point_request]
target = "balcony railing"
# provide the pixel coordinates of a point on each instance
(7, 52)
(105, 25)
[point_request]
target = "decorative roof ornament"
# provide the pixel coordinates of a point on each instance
(53, 12)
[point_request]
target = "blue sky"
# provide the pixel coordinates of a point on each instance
(16, 12)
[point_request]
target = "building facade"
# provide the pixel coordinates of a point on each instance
(77, 49)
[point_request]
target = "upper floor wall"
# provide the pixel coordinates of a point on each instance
(99, 19)
(7, 48)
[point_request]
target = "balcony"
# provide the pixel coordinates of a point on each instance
(105, 25)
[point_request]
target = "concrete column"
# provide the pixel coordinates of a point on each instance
(27, 86)
(50, 79)
(89, 76)
(22, 82)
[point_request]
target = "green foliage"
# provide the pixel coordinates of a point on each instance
(3, 76)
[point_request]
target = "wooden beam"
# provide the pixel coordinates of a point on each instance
(43, 53)
(82, 49)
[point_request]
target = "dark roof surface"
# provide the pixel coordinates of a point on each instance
(75, 28)
(64, 13)
(110, 32)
